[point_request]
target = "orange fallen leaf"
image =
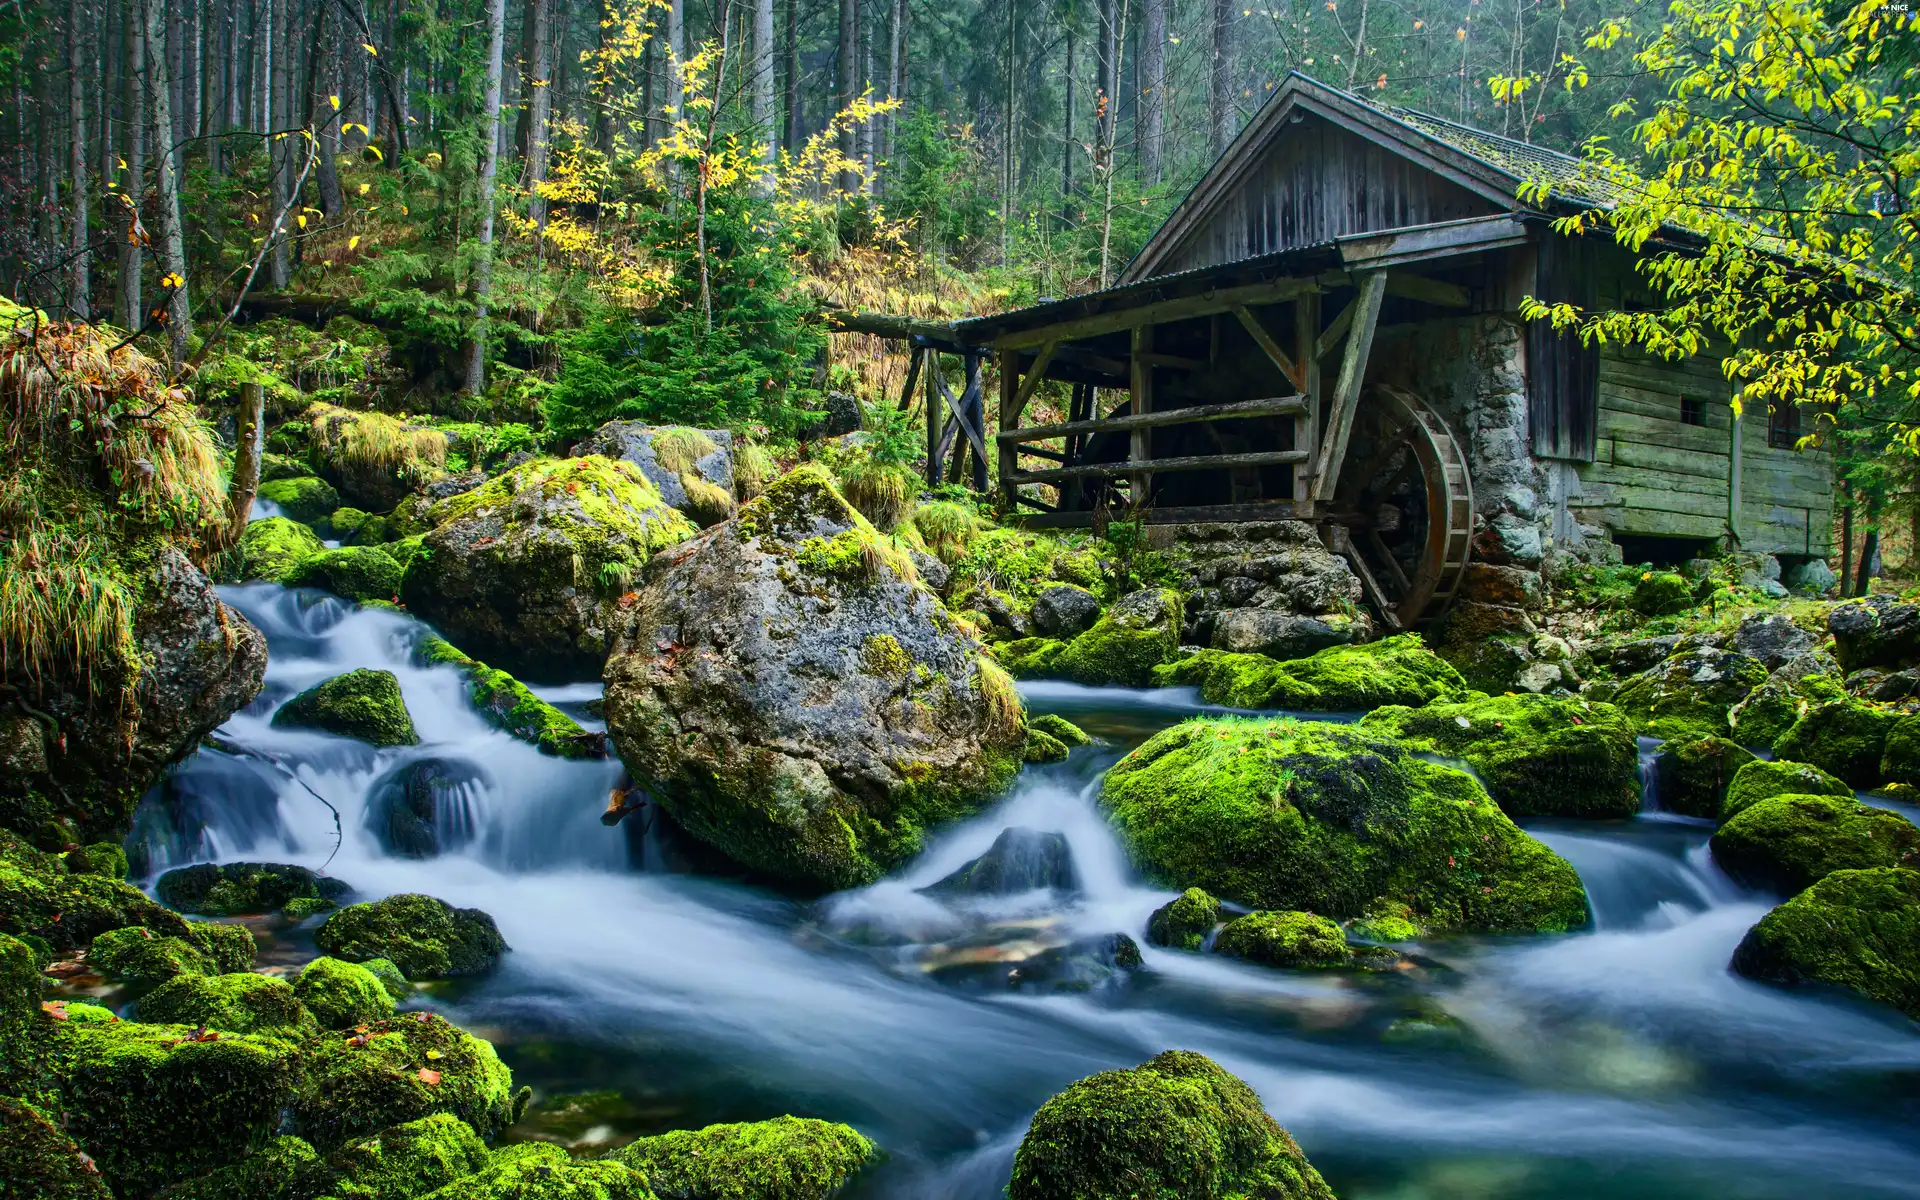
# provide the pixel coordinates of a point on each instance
(429, 1077)
(57, 1009)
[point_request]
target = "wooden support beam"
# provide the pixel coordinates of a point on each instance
(1436, 292)
(1009, 362)
(1078, 356)
(1199, 462)
(1306, 428)
(1175, 361)
(1156, 313)
(974, 401)
(1141, 444)
(1443, 239)
(913, 376)
(1275, 406)
(1264, 340)
(1346, 392)
(935, 443)
(1331, 338)
(1028, 384)
(1265, 510)
(961, 405)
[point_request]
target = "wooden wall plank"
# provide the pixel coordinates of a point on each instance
(1656, 431)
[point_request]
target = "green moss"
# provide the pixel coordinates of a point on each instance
(1021, 563)
(1757, 780)
(426, 938)
(1844, 738)
(1284, 939)
(542, 1172)
(1772, 708)
(1184, 921)
(1043, 747)
(1125, 644)
(282, 1171)
(302, 907)
(155, 1104)
(229, 947)
(101, 858)
(242, 889)
(1384, 926)
(1900, 755)
(1537, 755)
(509, 706)
(237, 1003)
(364, 704)
(1785, 843)
(1694, 775)
(1855, 930)
(1661, 593)
(947, 527)
(1691, 694)
(138, 955)
(1395, 670)
(24, 1027)
(39, 898)
(1057, 726)
(883, 655)
(400, 1070)
(390, 978)
(273, 546)
(787, 1158)
(401, 1162)
(306, 498)
(883, 492)
(1176, 1128)
(283, 466)
(1030, 658)
(350, 572)
(615, 514)
(1284, 814)
(38, 1161)
(342, 994)
(346, 521)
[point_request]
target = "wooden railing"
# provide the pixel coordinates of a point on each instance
(1083, 431)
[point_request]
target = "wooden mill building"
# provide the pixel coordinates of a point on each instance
(1327, 329)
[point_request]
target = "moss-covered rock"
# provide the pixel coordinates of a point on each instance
(787, 1158)
(156, 1104)
(1757, 780)
(1772, 708)
(1694, 774)
(1844, 738)
(1537, 755)
(40, 898)
(1059, 728)
(1184, 922)
(1140, 632)
(400, 1070)
(1284, 939)
(1395, 670)
(229, 947)
(364, 704)
(350, 572)
(1175, 1128)
(281, 1171)
(691, 468)
(401, 1162)
(138, 955)
(1030, 658)
(308, 499)
(1690, 694)
(1855, 930)
(1020, 564)
(1900, 755)
(507, 705)
(426, 938)
(342, 994)
(283, 466)
(537, 1171)
(1661, 593)
(238, 1003)
(374, 458)
(528, 569)
(273, 546)
(390, 977)
(1043, 747)
(1284, 814)
(101, 858)
(244, 888)
(38, 1161)
(1785, 843)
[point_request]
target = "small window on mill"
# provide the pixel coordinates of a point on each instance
(1693, 410)
(1783, 425)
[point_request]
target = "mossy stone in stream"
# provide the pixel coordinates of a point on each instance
(1175, 1128)
(1855, 930)
(244, 888)
(538, 1171)
(38, 1161)
(401, 1162)
(1395, 670)
(342, 994)
(227, 946)
(1030, 658)
(1786, 843)
(101, 858)
(1058, 727)
(1539, 756)
(1285, 814)
(273, 546)
(1690, 694)
(1184, 921)
(1284, 939)
(40, 898)
(364, 704)
(787, 1158)
(506, 704)
(1140, 632)
(349, 572)
(426, 938)
(1759, 779)
(283, 1170)
(1043, 747)
(1845, 738)
(137, 955)
(400, 1070)
(306, 498)
(238, 1003)
(1900, 756)
(1693, 774)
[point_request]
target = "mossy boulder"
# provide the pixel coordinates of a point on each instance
(1395, 670)
(273, 546)
(350, 572)
(1043, 747)
(1030, 658)
(1785, 843)
(1794, 687)
(1184, 922)
(1176, 1126)
(692, 469)
(38, 1161)
(138, 955)
(238, 1003)
(796, 699)
(1757, 780)
(1538, 756)
(40, 898)
(426, 938)
(1875, 631)
(281, 1171)
(1284, 814)
(1694, 774)
(1661, 593)
(1689, 694)
(528, 569)
(341, 994)
(283, 466)
(243, 888)
(402, 1161)
(156, 1104)
(1900, 754)
(307, 499)
(1059, 728)
(1140, 632)
(1284, 939)
(407, 807)
(101, 858)
(365, 704)
(537, 1171)
(400, 1070)
(1854, 930)
(787, 1158)
(229, 947)
(372, 457)
(1845, 738)
(508, 706)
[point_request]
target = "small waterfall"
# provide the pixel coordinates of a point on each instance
(1649, 774)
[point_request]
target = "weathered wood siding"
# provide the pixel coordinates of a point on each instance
(1316, 182)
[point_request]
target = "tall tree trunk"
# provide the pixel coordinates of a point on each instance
(792, 80)
(280, 88)
(760, 67)
(676, 51)
(1220, 120)
(539, 110)
(1869, 547)
(896, 81)
(173, 253)
(175, 52)
(847, 63)
(77, 59)
(1070, 101)
(1009, 140)
(1153, 90)
(864, 134)
(323, 75)
(133, 35)
(1107, 70)
(1846, 539)
(489, 168)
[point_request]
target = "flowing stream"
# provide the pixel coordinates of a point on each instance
(1625, 1061)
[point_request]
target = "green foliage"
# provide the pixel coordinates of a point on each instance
(943, 184)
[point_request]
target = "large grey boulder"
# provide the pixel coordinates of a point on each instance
(1275, 634)
(1065, 611)
(691, 468)
(1772, 638)
(792, 695)
(1876, 631)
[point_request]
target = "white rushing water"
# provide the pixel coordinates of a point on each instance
(1621, 1062)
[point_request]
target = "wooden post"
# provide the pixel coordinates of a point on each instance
(1346, 393)
(1306, 426)
(933, 417)
(976, 420)
(1009, 363)
(914, 354)
(1141, 447)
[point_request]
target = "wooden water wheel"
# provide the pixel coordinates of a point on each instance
(1404, 509)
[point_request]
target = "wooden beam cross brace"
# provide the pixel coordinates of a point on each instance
(1346, 392)
(1264, 340)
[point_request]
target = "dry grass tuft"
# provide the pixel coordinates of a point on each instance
(376, 441)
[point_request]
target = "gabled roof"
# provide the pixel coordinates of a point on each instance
(1489, 164)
